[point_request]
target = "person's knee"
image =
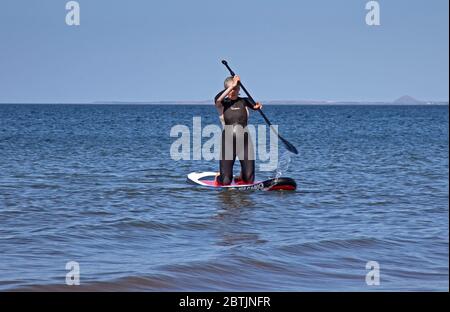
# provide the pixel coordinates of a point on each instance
(250, 171)
(226, 180)
(250, 178)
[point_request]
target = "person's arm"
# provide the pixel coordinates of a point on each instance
(254, 107)
(216, 98)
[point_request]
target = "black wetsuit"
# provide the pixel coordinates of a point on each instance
(235, 118)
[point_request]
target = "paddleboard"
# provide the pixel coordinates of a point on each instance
(206, 179)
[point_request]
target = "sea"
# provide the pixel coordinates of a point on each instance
(92, 199)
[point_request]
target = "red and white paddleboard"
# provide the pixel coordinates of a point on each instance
(206, 179)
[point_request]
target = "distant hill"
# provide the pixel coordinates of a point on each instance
(407, 100)
(404, 100)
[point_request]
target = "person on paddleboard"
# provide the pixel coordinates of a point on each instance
(236, 141)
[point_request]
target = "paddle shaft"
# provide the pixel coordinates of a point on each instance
(289, 146)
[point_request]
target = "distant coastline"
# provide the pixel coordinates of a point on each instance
(404, 100)
(274, 102)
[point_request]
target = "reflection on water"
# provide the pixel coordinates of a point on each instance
(235, 199)
(235, 210)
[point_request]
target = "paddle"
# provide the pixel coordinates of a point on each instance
(291, 148)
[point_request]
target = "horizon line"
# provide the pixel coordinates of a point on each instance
(210, 102)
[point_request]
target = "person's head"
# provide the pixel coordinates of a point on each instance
(235, 92)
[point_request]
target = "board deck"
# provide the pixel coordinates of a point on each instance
(206, 179)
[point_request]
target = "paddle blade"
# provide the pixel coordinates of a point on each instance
(291, 148)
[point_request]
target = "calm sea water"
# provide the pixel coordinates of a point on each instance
(95, 184)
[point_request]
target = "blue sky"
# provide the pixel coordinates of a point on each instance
(171, 50)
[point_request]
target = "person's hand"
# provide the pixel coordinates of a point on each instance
(236, 80)
(257, 106)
